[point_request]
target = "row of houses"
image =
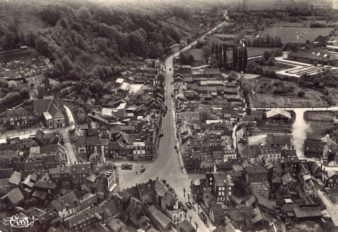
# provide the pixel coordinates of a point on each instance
(287, 189)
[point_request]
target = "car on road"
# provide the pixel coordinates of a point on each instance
(182, 206)
(126, 166)
(169, 69)
(161, 134)
(188, 205)
(203, 217)
(142, 170)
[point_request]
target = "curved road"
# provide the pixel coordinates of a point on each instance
(167, 165)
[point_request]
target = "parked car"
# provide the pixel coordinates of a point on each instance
(127, 166)
(161, 134)
(189, 205)
(203, 217)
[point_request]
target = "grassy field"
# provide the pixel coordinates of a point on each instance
(296, 34)
(334, 95)
(319, 128)
(275, 67)
(255, 51)
(322, 116)
(263, 95)
(198, 54)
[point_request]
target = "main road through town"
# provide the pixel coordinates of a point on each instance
(167, 164)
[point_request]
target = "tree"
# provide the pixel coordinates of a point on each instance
(136, 42)
(67, 64)
(186, 59)
(206, 51)
(271, 61)
(81, 115)
(233, 76)
(9, 40)
(51, 14)
(301, 93)
(83, 13)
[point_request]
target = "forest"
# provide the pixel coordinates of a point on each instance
(92, 42)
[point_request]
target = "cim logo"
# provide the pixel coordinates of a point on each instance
(19, 222)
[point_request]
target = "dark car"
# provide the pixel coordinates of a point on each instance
(189, 205)
(203, 217)
(161, 134)
(181, 206)
(127, 166)
(142, 170)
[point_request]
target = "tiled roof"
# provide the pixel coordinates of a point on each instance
(15, 196)
(69, 199)
(42, 105)
(275, 112)
(159, 217)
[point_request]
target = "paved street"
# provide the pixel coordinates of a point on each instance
(167, 165)
(71, 157)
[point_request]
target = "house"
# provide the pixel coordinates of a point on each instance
(65, 205)
(93, 144)
(83, 219)
(15, 178)
(256, 174)
(52, 115)
(313, 147)
(186, 226)
(307, 212)
(251, 152)
(197, 187)
(79, 172)
(221, 184)
(169, 206)
(159, 219)
(212, 72)
(17, 117)
(278, 116)
(116, 225)
(278, 141)
(217, 214)
(14, 197)
(272, 154)
(229, 154)
(111, 207)
(146, 192)
(331, 180)
(175, 48)
(230, 228)
(291, 165)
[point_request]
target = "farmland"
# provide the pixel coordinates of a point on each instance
(322, 116)
(257, 51)
(296, 34)
(267, 92)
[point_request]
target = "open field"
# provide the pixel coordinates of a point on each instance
(259, 51)
(265, 94)
(319, 128)
(334, 95)
(321, 116)
(296, 34)
(276, 67)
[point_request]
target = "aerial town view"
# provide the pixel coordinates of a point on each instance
(168, 115)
